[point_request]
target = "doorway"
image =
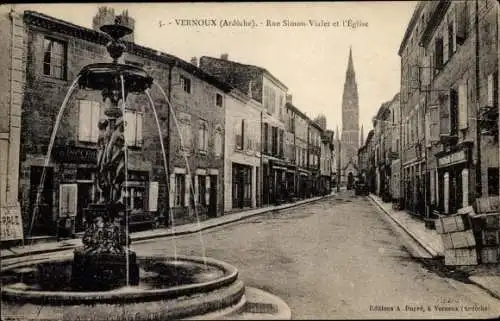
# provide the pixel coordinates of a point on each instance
(212, 205)
(350, 180)
(41, 221)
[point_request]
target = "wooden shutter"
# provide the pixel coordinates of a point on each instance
(153, 196)
(434, 123)
(67, 200)
(196, 188)
(445, 44)
(187, 189)
(172, 190)
(237, 135)
(96, 113)
(85, 121)
(207, 190)
(138, 127)
(444, 115)
(491, 90)
(462, 106)
(130, 128)
(428, 129)
(453, 111)
(243, 136)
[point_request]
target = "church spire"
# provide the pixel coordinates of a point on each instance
(350, 73)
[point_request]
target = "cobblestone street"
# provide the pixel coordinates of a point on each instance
(335, 258)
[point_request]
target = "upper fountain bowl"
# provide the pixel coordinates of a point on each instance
(101, 76)
(116, 31)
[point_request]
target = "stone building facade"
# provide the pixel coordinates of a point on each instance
(55, 51)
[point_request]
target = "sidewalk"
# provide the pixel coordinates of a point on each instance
(40, 248)
(486, 277)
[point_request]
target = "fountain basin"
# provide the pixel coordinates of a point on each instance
(101, 76)
(168, 288)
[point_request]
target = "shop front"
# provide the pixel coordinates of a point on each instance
(453, 180)
(282, 177)
(241, 185)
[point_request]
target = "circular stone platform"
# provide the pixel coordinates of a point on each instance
(186, 288)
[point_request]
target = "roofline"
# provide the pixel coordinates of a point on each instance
(411, 25)
(44, 21)
(261, 69)
(296, 110)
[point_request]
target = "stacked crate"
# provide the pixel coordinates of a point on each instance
(486, 225)
(458, 238)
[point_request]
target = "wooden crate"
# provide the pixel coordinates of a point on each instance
(456, 240)
(452, 223)
(487, 204)
(491, 220)
(469, 210)
(466, 256)
(490, 255)
(490, 238)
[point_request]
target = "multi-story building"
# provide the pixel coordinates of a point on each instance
(300, 125)
(383, 149)
(449, 60)
(242, 150)
(395, 163)
(52, 54)
(315, 133)
(271, 93)
(326, 161)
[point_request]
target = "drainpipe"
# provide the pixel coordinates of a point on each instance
(261, 198)
(170, 67)
(478, 105)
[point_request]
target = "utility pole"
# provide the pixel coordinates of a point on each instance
(338, 163)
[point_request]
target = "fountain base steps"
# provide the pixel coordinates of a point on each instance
(169, 288)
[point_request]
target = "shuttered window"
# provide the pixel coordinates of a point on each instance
(462, 106)
(67, 200)
(444, 115)
(133, 128)
(88, 120)
(153, 196)
(434, 122)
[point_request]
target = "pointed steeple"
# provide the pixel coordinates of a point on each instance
(350, 73)
(350, 114)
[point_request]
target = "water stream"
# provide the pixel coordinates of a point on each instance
(49, 152)
(125, 146)
(188, 169)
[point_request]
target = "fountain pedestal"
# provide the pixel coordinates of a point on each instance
(104, 261)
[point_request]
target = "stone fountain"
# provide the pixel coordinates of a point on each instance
(104, 279)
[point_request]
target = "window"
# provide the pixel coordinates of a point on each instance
(274, 144)
(88, 120)
(218, 142)
(185, 84)
(185, 139)
(238, 134)
(54, 58)
(452, 44)
(133, 128)
(218, 100)
(453, 111)
(439, 56)
(133, 196)
(462, 24)
(203, 136)
(281, 142)
(180, 190)
(493, 180)
(266, 138)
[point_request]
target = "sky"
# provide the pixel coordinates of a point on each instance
(310, 60)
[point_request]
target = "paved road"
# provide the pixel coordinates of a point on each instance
(335, 258)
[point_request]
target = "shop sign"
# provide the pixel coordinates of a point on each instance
(76, 155)
(451, 159)
(11, 223)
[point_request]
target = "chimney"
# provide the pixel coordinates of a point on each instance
(104, 16)
(224, 56)
(194, 61)
(289, 98)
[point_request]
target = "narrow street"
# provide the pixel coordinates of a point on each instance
(335, 258)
